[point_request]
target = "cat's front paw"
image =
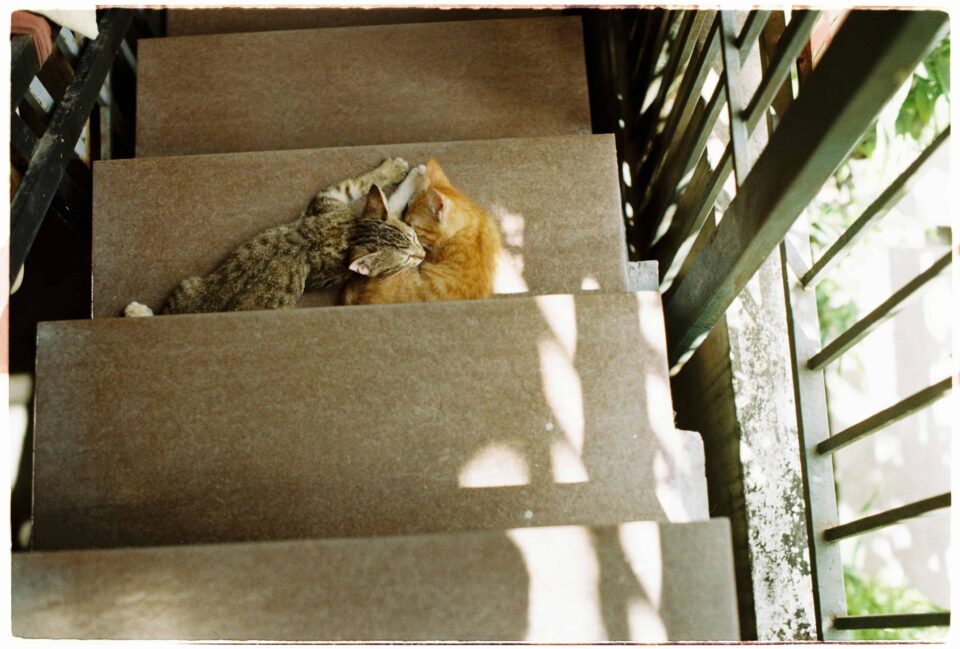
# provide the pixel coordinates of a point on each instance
(137, 310)
(392, 170)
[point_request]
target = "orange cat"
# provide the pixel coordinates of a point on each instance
(462, 244)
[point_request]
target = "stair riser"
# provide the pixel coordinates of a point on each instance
(357, 421)
(159, 221)
(361, 85)
(638, 581)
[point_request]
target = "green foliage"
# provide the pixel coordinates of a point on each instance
(831, 215)
(870, 596)
(837, 310)
(928, 84)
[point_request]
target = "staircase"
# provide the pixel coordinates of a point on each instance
(495, 470)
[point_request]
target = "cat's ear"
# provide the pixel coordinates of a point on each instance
(365, 264)
(376, 206)
(439, 204)
(435, 174)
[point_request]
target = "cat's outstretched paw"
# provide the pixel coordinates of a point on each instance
(391, 171)
(410, 186)
(137, 310)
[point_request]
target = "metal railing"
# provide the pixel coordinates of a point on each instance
(673, 188)
(75, 86)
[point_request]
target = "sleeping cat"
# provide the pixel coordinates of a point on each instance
(462, 243)
(326, 245)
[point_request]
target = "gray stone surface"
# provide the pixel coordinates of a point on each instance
(158, 221)
(643, 276)
(348, 86)
(637, 581)
(356, 421)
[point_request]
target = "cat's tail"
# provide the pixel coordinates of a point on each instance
(188, 296)
(137, 310)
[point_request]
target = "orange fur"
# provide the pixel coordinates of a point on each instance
(462, 243)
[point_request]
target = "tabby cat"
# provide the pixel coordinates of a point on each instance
(462, 243)
(321, 248)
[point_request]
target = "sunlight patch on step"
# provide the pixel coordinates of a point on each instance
(589, 284)
(564, 598)
(641, 546)
(561, 387)
(560, 314)
(509, 276)
(567, 464)
(497, 465)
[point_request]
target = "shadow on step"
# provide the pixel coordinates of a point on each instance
(453, 416)
(379, 421)
(637, 581)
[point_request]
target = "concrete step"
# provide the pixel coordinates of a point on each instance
(157, 221)
(231, 20)
(637, 581)
(359, 421)
(351, 86)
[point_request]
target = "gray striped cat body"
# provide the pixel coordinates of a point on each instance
(328, 243)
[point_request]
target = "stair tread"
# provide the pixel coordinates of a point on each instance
(358, 421)
(157, 221)
(231, 20)
(636, 581)
(361, 85)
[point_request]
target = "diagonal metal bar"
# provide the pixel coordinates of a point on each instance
(23, 64)
(889, 517)
(687, 97)
(879, 208)
(646, 65)
(692, 211)
(680, 53)
(756, 20)
(735, 95)
(864, 66)
(53, 151)
(72, 201)
(897, 621)
(885, 417)
(890, 307)
(788, 49)
(691, 147)
(676, 243)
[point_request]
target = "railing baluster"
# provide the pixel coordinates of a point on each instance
(735, 99)
(52, 153)
(681, 51)
(878, 316)
(883, 204)
(23, 64)
(773, 79)
(896, 621)
(687, 98)
(751, 31)
(885, 417)
(692, 211)
(887, 518)
(691, 148)
(859, 73)
(788, 49)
